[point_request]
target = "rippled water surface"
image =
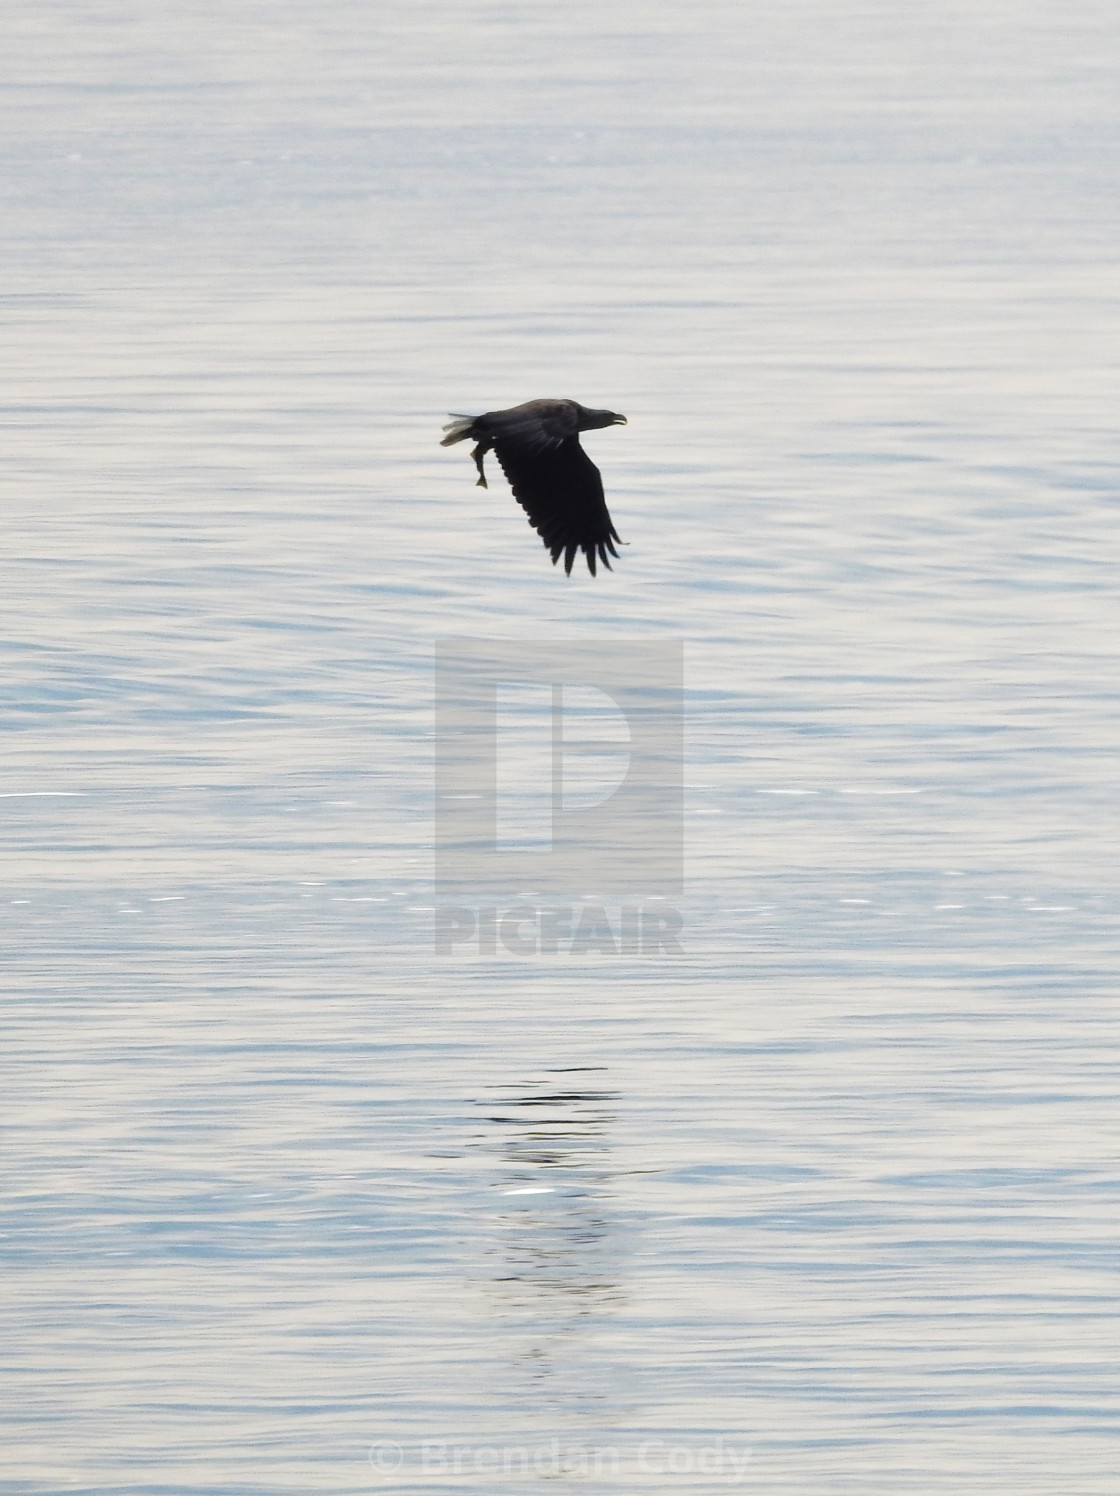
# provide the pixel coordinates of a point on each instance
(827, 1200)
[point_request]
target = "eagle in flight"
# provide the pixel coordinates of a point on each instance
(552, 477)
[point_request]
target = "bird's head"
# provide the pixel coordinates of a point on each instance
(591, 420)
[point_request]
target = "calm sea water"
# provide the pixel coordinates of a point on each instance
(828, 1201)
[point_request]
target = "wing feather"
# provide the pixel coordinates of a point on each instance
(561, 491)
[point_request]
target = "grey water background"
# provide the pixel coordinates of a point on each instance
(839, 1184)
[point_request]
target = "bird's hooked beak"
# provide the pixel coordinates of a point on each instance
(618, 420)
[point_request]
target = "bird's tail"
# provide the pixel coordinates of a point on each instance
(458, 429)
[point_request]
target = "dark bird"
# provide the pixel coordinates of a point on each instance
(552, 477)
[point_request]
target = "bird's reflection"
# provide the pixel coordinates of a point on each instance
(555, 1256)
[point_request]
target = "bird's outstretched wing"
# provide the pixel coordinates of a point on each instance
(560, 489)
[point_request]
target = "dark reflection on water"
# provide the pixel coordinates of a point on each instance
(556, 1258)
